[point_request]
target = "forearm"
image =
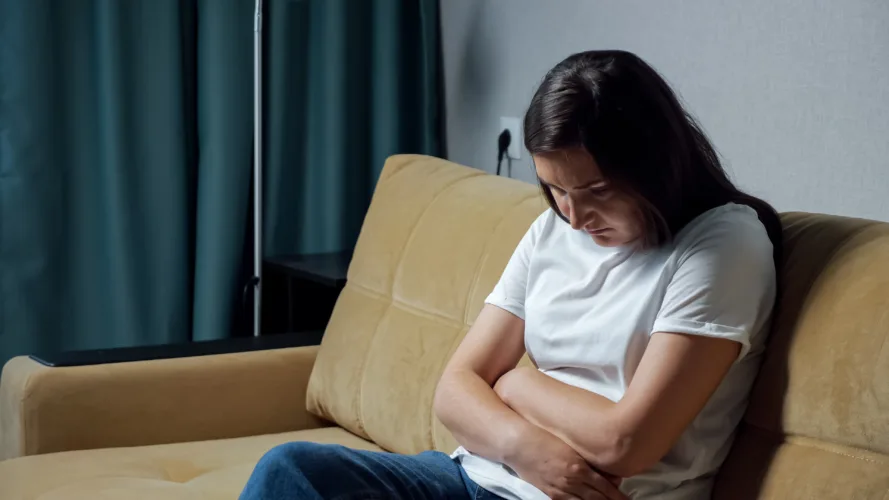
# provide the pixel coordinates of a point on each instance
(479, 420)
(586, 421)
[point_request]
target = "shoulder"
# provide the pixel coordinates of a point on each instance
(543, 226)
(731, 230)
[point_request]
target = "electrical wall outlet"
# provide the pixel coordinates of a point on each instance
(514, 125)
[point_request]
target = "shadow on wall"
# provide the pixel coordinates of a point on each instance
(476, 60)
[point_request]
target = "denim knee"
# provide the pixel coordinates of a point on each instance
(301, 455)
(288, 454)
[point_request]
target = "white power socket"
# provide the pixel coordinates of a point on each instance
(514, 125)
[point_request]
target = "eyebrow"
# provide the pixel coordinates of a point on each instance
(578, 188)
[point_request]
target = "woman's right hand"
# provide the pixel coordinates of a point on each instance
(560, 472)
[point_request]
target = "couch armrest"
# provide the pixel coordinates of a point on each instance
(47, 409)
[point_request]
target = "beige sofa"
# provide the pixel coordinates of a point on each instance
(434, 242)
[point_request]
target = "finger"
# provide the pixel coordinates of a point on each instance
(562, 495)
(615, 480)
(581, 490)
(605, 487)
(585, 492)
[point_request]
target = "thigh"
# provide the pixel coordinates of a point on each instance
(333, 472)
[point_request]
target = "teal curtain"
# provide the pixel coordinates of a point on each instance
(126, 153)
(352, 82)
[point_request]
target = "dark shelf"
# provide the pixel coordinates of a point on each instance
(183, 350)
(328, 269)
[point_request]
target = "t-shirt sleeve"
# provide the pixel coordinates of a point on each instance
(724, 283)
(509, 293)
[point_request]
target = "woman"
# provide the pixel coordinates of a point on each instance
(642, 296)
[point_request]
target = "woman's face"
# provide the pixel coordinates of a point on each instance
(611, 217)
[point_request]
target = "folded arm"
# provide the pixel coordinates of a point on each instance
(467, 405)
(675, 379)
(465, 401)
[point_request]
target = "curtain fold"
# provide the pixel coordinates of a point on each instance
(349, 84)
(225, 138)
(94, 191)
(126, 153)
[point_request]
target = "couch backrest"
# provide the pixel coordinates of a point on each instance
(438, 235)
(433, 245)
(818, 421)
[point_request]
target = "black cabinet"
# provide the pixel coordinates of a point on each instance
(299, 291)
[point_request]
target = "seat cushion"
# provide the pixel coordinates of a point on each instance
(206, 470)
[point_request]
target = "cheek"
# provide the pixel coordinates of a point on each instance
(562, 203)
(629, 216)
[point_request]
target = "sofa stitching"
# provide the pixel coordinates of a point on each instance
(406, 306)
(472, 288)
(419, 312)
(363, 370)
(485, 255)
(395, 276)
(809, 442)
(413, 230)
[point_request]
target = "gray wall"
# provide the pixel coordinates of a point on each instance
(794, 93)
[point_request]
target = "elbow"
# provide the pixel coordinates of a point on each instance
(441, 401)
(626, 456)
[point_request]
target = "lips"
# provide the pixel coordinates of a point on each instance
(595, 232)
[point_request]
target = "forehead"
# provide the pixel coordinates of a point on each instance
(567, 168)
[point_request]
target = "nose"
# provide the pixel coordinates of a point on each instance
(576, 217)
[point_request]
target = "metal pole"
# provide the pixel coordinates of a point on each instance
(257, 167)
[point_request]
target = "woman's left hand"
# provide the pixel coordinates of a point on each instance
(513, 381)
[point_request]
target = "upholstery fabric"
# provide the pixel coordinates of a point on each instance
(433, 245)
(434, 242)
(205, 470)
(44, 410)
(825, 378)
(769, 466)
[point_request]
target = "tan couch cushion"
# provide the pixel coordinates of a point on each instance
(434, 242)
(201, 470)
(818, 422)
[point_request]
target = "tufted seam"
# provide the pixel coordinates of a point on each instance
(432, 315)
(410, 237)
(472, 288)
(363, 369)
(812, 443)
(251, 465)
(808, 442)
(171, 476)
(486, 254)
(393, 300)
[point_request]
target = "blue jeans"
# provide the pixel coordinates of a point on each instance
(315, 471)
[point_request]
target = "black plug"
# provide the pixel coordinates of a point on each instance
(503, 142)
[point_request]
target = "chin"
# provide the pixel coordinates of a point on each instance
(607, 241)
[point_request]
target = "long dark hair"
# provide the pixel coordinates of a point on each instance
(619, 109)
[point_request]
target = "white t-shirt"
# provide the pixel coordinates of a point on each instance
(589, 312)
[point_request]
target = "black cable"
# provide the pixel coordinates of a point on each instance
(247, 313)
(503, 142)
